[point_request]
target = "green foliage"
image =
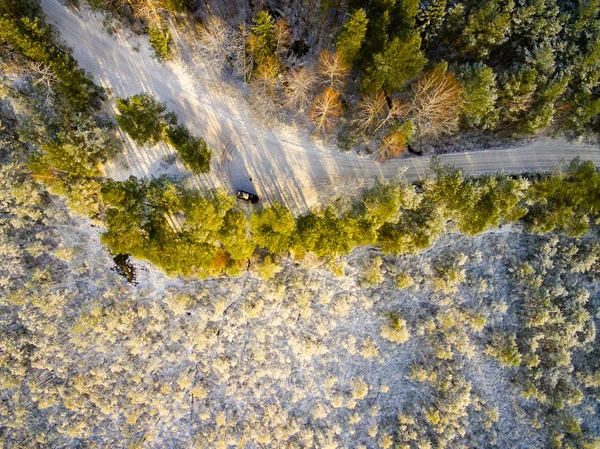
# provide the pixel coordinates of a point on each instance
(160, 40)
(400, 60)
(504, 349)
(430, 20)
(234, 235)
(516, 94)
(405, 16)
(140, 117)
(268, 268)
(352, 35)
(78, 151)
(23, 27)
(480, 95)
(475, 205)
(377, 35)
(193, 150)
(70, 163)
(263, 41)
(487, 27)
(177, 229)
(567, 201)
(541, 114)
(325, 233)
(384, 202)
(143, 118)
(493, 200)
(272, 228)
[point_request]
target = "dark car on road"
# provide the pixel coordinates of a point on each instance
(247, 196)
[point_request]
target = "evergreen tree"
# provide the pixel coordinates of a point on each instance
(542, 112)
(193, 150)
(234, 235)
(404, 17)
(325, 233)
(487, 27)
(517, 93)
(272, 228)
(400, 61)
(430, 20)
(377, 35)
(568, 201)
(23, 27)
(480, 95)
(352, 35)
(140, 117)
(160, 40)
(262, 40)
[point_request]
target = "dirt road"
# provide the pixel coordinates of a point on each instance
(283, 166)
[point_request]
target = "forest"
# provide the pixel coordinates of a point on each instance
(389, 74)
(456, 311)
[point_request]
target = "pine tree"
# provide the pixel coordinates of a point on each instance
(272, 228)
(404, 17)
(23, 27)
(160, 40)
(400, 61)
(377, 35)
(351, 36)
(262, 42)
(140, 117)
(517, 93)
(430, 20)
(487, 27)
(194, 151)
(480, 94)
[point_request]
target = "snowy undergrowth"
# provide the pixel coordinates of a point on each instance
(306, 359)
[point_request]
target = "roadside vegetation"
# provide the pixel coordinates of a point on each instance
(334, 329)
(144, 119)
(182, 231)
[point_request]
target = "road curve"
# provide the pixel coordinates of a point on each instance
(283, 166)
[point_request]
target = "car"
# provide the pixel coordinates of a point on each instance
(247, 196)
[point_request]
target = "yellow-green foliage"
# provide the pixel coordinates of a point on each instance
(373, 275)
(395, 330)
(404, 280)
(268, 268)
(504, 349)
(160, 40)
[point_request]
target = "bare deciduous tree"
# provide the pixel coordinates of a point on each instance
(326, 108)
(216, 41)
(392, 145)
(41, 74)
(283, 35)
(373, 113)
(333, 69)
(243, 61)
(370, 112)
(436, 101)
(299, 87)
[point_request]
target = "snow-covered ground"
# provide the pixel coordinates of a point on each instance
(286, 166)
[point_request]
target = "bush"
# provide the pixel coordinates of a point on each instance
(395, 330)
(159, 41)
